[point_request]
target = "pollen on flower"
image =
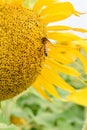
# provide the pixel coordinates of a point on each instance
(21, 49)
(24, 45)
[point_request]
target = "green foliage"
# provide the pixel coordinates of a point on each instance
(7, 127)
(41, 114)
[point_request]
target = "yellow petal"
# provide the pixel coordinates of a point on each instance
(62, 68)
(77, 54)
(82, 58)
(56, 79)
(5, 1)
(78, 13)
(81, 44)
(79, 97)
(40, 3)
(63, 47)
(58, 11)
(47, 86)
(63, 37)
(80, 30)
(59, 58)
(17, 2)
(58, 28)
(38, 88)
(1, 1)
(13, 1)
(63, 28)
(62, 55)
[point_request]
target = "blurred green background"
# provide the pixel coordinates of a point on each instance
(30, 112)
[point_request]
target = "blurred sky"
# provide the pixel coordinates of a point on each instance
(80, 5)
(74, 21)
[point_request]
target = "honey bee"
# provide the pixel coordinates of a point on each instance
(45, 42)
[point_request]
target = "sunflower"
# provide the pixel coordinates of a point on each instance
(34, 52)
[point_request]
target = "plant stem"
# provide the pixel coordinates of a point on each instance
(85, 122)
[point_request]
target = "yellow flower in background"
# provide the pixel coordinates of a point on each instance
(27, 54)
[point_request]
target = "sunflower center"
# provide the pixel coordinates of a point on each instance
(21, 49)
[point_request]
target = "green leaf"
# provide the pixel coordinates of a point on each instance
(7, 127)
